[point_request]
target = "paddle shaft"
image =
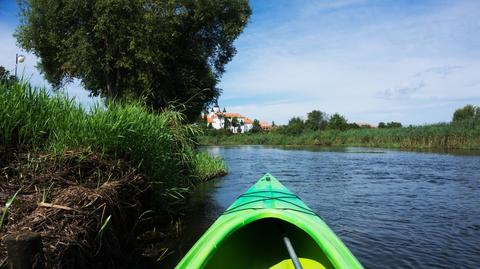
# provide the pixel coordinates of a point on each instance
(291, 252)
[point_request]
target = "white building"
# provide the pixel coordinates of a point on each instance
(234, 121)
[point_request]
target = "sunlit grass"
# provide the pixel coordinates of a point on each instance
(207, 166)
(161, 145)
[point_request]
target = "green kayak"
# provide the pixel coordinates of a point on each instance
(269, 227)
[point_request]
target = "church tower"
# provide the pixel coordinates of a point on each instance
(216, 108)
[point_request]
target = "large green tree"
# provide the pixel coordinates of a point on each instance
(295, 125)
(467, 112)
(338, 122)
(158, 50)
(256, 127)
(394, 124)
(316, 120)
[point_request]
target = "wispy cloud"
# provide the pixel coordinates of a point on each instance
(440, 70)
(403, 92)
(318, 6)
(342, 56)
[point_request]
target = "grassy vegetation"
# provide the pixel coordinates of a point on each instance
(207, 167)
(160, 145)
(111, 164)
(461, 135)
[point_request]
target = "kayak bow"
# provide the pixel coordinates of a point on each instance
(251, 234)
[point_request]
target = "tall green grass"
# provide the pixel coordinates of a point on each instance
(207, 166)
(465, 135)
(161, 145)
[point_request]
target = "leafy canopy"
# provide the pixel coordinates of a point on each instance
(158, 50)
(392, 124)
(468, 112)
(256, 127)
(338, 122)
(295, 125)
(316, 120)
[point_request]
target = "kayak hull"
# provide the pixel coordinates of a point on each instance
(249, 234)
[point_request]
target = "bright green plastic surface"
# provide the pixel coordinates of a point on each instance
(249, 234)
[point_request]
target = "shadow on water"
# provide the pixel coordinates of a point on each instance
(392, 208)
(199, 213)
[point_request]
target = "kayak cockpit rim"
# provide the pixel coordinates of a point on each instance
(327, 242)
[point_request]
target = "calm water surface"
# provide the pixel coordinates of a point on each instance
(393, 209)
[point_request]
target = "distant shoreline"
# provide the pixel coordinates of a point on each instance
(438, 137)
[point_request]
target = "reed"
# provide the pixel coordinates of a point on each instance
(463, 135)
(161, 145)
(207, 167)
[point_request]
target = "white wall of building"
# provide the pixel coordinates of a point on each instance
(218, 121)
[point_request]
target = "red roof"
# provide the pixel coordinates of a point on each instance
(232, 115)
(264, 125)
(247, 121)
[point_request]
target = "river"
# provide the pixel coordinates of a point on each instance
(393, 209)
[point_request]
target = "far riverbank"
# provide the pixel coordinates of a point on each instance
(464, 135)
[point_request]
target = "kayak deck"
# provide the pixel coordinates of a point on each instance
(249, 234)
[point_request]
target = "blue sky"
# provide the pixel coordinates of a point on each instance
(408, 61)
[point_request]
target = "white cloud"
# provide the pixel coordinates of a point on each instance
(440, 70)
(403, 92)
(361, 64)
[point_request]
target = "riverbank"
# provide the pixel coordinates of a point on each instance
(91, 183)
(464, 135)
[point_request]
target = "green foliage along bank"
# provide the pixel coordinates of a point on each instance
(122, 169)
(319, 129)
(440, 136)
(207, 167)
(160, 145)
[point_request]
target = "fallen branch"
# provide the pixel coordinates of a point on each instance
(42, 204)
